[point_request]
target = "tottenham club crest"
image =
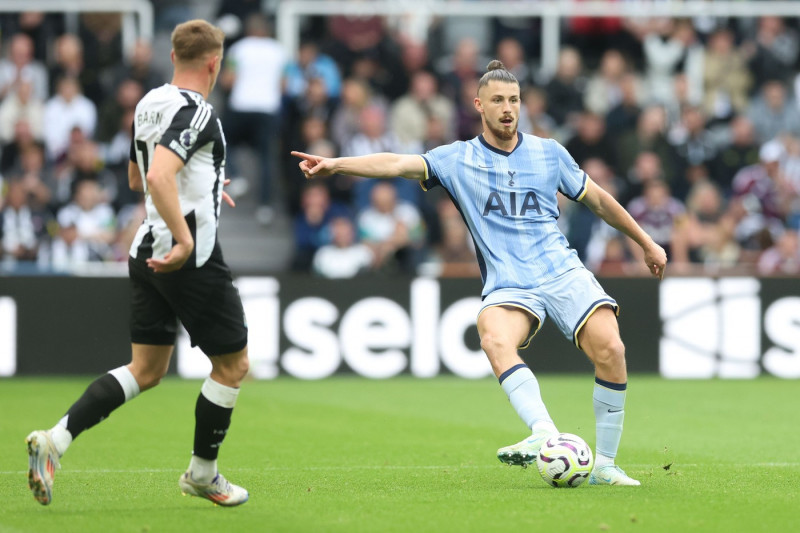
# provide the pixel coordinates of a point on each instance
(511, 176)
(188, 137)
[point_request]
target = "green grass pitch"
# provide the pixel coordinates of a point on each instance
(407, 455)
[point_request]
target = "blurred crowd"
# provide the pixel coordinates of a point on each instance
(693, 125)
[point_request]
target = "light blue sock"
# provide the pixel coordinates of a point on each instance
(609, 412)
(522, 390)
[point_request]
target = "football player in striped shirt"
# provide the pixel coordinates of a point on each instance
(177, 273)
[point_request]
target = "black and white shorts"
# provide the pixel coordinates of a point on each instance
(204, 300)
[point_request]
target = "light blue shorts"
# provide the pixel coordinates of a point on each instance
(570, 299)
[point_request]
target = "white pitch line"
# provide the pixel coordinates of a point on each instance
(673, 466)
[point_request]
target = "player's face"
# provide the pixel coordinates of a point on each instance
(499, 104)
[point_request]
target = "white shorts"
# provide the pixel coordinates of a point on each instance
(570, 299)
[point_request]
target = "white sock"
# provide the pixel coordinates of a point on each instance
(202, 470)
(61, 436)
(601, 460)
(522, 389)
(544, 426)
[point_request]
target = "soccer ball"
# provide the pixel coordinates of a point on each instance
(565, 460)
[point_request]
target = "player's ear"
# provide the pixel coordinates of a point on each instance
(478, 105)
(172, 56)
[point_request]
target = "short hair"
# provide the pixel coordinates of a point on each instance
(194, 39)
(496, 71)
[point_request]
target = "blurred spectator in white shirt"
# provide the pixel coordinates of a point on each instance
(21, 105)
(253, 70)
(21, 66)
(393, 229)
(92, 217)
(66, 110)
(343, 257)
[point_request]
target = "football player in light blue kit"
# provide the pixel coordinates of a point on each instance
(505, 184)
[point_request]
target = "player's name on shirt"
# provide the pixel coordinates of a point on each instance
(152, 118)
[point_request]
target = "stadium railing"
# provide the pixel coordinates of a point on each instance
(137, 15)
(291, 12)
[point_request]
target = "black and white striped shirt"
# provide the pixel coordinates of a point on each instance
(183, 122)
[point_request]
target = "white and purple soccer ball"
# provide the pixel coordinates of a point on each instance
(565, 460)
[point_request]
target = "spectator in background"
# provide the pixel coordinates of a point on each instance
(343, 257)
(758, 203)
(591, 141)
(353, 37)
(646, 169)
(660, 215)
(467, 118)
(21, 66)
(671, 47)
(693, 145)
(708, 232)
(85, 164)
(139, 67)
(101, 35)
(311, 229)
(623, 117)
(93, 219)
(772, 113)
(726, 79)
(253, 69)
(35, 178)
(11, 157)
(68, 109)
(127, 95)
(455, 253)
(565, 92)
(586, 233)
(356, 96)
(21, 105)
(41, 27)
(649, 136)
(68, 250)
(774, 52)
(374, 137)
(412, 113)
(19, 231)
(462, 67)
(393, 229)
(783, 258)
(740, 152)
(533, 117)
(604, 90)
(312, 65)
(512, 54)
(69, 62)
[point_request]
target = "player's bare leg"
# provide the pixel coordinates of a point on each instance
(600, 340)
(212, 419)
(502, 329)
(45, 448)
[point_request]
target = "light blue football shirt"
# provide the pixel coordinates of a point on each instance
(508, 200)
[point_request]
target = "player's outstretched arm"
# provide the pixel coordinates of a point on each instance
(607, 208)
(382, 165)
